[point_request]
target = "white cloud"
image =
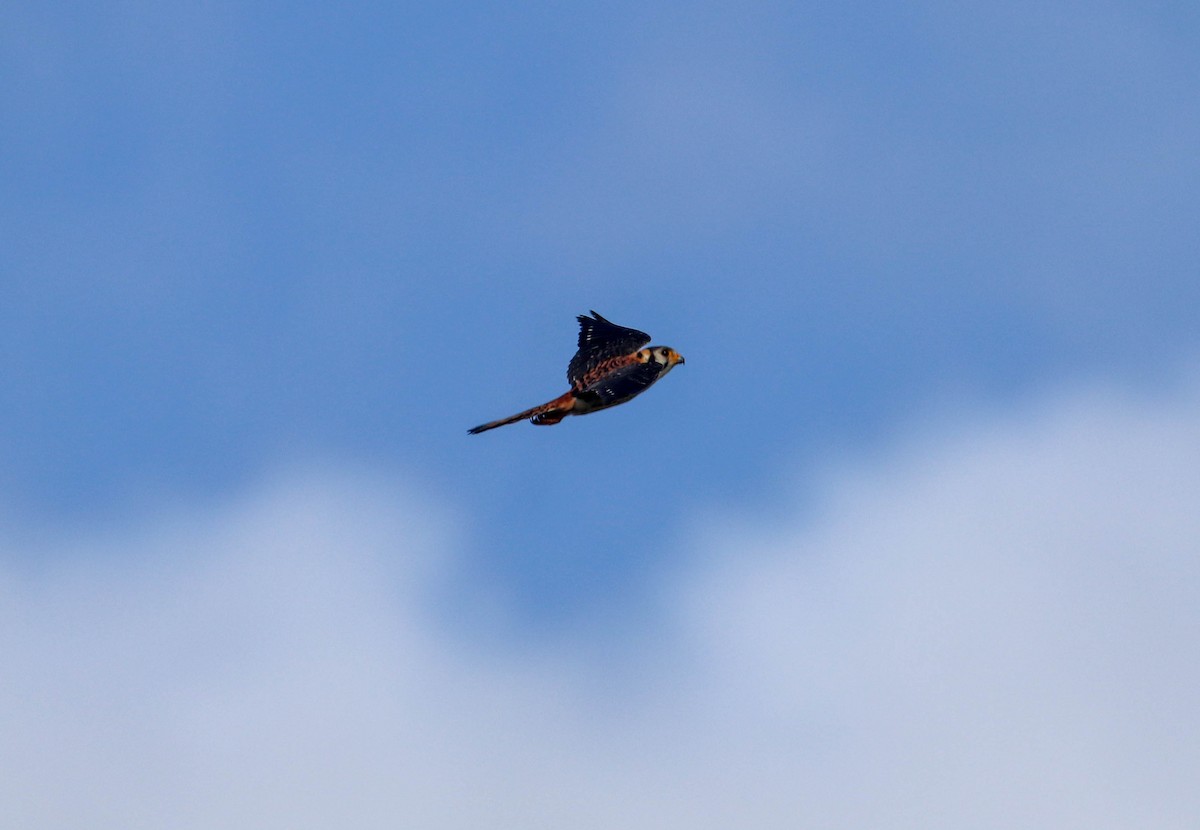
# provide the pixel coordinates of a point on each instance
(997, 629)
(991, 628)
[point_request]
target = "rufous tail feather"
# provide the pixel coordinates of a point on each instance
(557, 409)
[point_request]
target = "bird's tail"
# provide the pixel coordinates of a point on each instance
(544, 415)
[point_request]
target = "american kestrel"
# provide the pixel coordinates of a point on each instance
(612, 366)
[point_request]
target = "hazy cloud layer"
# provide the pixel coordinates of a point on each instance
(991, 627)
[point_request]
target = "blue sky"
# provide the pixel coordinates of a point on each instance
(259, 258)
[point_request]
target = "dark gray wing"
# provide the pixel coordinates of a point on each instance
(623, 384)
(599, 340)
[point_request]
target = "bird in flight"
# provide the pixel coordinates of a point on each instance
(612, 366)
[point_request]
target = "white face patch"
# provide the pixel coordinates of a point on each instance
(662, 356)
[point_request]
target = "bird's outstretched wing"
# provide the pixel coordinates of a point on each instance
(601, 340)
(621, 385)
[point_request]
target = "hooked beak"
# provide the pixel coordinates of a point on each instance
(679, 361)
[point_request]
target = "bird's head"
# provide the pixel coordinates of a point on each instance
(667, 357)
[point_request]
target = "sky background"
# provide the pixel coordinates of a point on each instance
(910, 541)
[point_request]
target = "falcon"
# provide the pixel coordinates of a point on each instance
(612, 366)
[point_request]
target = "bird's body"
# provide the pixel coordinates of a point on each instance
(611, 367)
